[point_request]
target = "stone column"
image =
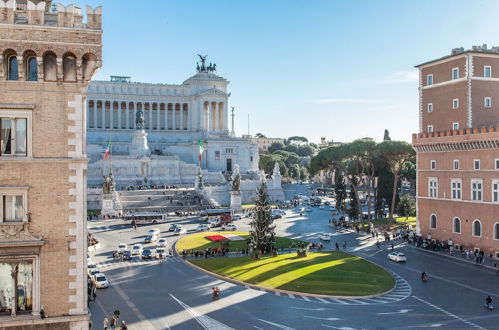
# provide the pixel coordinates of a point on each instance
(119, 115)
(95, 113)
(181, 116)
(133, 115)
(111, 115)
(127, 114)
(210, 116)
(150, 117)
(215, 117)
(226, 117)
(158, 111)
(103, 114)
(166, 116)
(174, 107)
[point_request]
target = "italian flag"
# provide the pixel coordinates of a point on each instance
(108, 149)
(201, 149)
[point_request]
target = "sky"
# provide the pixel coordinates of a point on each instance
(336, 69)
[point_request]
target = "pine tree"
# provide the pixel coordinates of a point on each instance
(340, 191)
(353, 210)
(262, 228)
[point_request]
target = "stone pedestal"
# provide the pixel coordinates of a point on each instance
(235, 201)
(139, 145)
(111, 204)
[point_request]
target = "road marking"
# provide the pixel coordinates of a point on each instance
(310, 309)
(402, 311)
(340, 301)
(205, 321)
(132, 306)
(305, 298)
(277, 293)
(339, 328)
(323, 300)
(358, 301)
(280, 326)
(292, 296)
(323, 318)
(449, 313)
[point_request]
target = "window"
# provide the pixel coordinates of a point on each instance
(476, 189)
(50, 67)
(496, 230)
(13, 204)
(69, 68)
(456, 226)
(433, 221)
(429, 79)
(31, 69)
(495, 191)
(430, 128)
(432, 187)
(456, 185)
(456, 164)
(455, 73)
(455, 126)
(433, 164)
(251, 158)
(476, 164)
(12, 68)
(487, 71)
(487, 102)
(13, 136)
(497, 164)
(455, 103)
(477, 228)
(16, 300)
(430, 107)
(229, 150)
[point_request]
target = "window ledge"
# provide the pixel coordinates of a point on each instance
(17, 106)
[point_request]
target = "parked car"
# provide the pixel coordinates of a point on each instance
(122, 247)
(229, 226)
(397, 256)
(127, 255)
(203, 227)
(146, 254)
(180, 231)
(160, 252)
(174, 227)
(325, 237)
(236, 217)
(93, 271)
(151, 238)
(162, 242)
(137, 249)
(101, 281)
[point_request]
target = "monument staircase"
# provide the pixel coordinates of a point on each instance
(162, 200)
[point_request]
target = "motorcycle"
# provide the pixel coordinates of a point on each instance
(216, 292)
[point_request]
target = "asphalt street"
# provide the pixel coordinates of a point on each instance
(173, 295)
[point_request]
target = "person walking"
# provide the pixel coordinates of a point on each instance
(105, 323)
(123, 325)
(344, 245)
(337, 246)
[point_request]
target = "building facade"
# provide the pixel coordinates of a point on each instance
(176, 118)
(47, 57)
(458, 149)
(263, 142)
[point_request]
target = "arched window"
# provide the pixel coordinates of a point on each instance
(12, 68)
(433, 221)
(69, 68)
(477, 228)
(456, 226)
(50, 67)
(89, 65)
(31, 69)
(496, 230)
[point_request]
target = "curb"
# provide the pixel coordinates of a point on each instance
(295, 293)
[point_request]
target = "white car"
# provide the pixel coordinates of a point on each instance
(162, 242)
(300, 209)
(137, 249)
(101, 281)
(122, 247)
(153, 231)
(160, 252)
(229, 226)
(397, 257)
(203, 227)
(180, 231)
(236, 217)
(325, 237)
(92, 271)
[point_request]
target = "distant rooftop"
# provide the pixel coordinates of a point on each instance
(458, 51)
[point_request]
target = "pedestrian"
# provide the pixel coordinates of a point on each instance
(344, 245)
(392, 245)
(377, 244)
(337, 246)
(105, 323)
(123, 326)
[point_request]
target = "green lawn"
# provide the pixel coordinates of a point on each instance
(328, 273)
(400, 222)
(198, 241)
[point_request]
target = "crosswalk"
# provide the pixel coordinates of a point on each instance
(136, 262)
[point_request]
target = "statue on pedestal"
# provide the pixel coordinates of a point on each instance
(276, 171)
(236, 179)
(108, 184)
(139, 119)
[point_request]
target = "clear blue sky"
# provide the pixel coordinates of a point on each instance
(338, 69)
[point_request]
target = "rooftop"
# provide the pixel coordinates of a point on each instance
(459, 51)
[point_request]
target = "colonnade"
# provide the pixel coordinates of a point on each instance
(121, 115)
(214, 116)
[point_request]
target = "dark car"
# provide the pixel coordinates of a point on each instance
(146, 254)
(276, 216)
(174, 227)
(127, 255)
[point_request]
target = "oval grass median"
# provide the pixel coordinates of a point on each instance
(331, 273)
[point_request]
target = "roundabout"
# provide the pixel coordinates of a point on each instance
(331, 274)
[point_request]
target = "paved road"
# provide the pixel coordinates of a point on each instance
(171, 294)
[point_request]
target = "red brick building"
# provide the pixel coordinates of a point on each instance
(458, 149)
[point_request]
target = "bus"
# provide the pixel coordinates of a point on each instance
(145, 217)
(217, 217)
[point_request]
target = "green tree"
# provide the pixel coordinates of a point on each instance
(340, 191)
(386, 136)
(260, 135)
(303, 150)
(353, 207)
(275, 146)
(262, 233)
(297, 139)
(407, 206)
(396, 154)
(304, 174)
